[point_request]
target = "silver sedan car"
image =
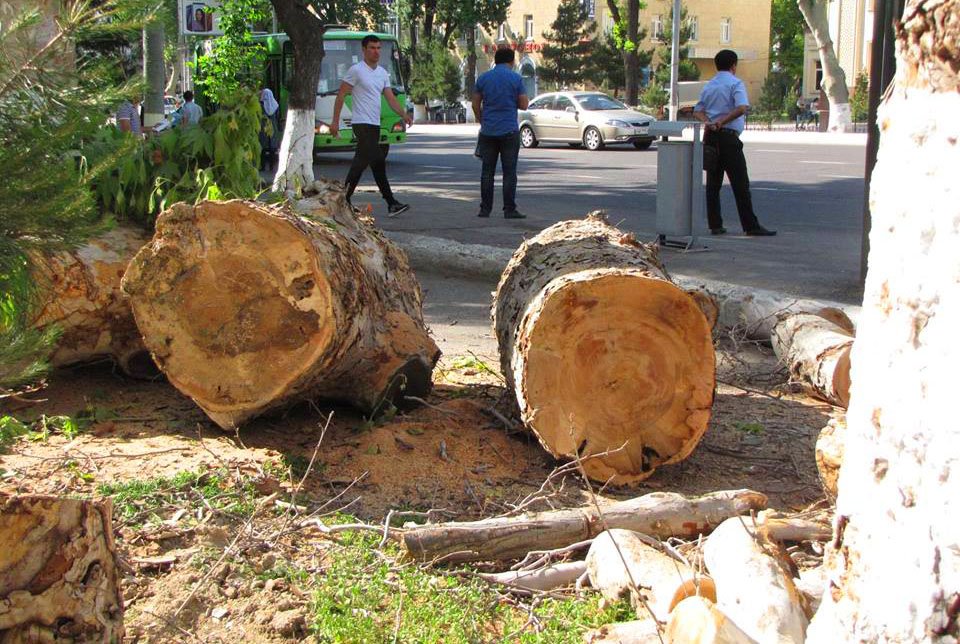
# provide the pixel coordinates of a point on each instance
(591, 119)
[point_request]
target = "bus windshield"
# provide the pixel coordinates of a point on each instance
(340, 55)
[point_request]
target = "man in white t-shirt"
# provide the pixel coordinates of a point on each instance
(367, 81)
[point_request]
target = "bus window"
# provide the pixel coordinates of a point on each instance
(340, 55)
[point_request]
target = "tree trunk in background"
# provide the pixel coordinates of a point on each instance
(295, 166)
(81, 296)
(471, 78)
(607, 358)
(894, 562)
(248, 307)
(834, 81)
(58, 571)
(631, 62)
(154, 72)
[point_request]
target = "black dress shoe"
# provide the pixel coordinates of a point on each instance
(760, 231)
(718, 231)
(514, 214)
(483, 213)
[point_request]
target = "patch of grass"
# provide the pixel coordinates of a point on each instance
(475, 363)
(10, 430)
(754, 429)
(136, 501)
(363, 597)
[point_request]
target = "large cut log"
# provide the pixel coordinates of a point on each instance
(816, 351)
(659, 514)
(753, 588)
(620, 564)
(58, 571)
(829, 455)
(608, 359)
(696, 620)
(81, 295)
(247, 307)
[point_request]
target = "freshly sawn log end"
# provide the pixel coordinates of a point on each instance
(608, 359)
(58, 571)
(246, 307)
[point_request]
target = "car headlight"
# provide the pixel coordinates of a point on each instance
(321, 128)
(399, 126)
(617, 123)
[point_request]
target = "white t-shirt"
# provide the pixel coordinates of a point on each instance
(368, 85)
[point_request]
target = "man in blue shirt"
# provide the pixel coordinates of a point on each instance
(722, 106)
(498, 95)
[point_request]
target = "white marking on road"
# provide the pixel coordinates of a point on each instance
(439, 167)
(777, 151)
(830, 162)
(841, 176)
(585, 176)
(773, 189)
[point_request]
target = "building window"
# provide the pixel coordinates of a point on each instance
(726, 30)
(656, 28)
(693, 26)
(528, 27)
(502, 31)
(589, 7)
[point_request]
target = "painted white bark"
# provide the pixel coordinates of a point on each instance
(894, 563)
(295, 167)
(834, 81)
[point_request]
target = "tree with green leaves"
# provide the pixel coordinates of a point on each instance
(50, 100)
(627, 35)
(435, 74)
(463, 17)
(566, 59)
(606, 64)
(304, 21)
(859, 102)
(786, 40)
(227, 68)
(687, 71)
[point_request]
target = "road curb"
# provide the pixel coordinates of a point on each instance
(750, 312)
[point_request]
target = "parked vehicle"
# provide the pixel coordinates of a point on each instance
(591, 119)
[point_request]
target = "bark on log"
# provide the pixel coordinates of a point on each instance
(752, 587)
(696, 620)
(247, 307)
(829, 455)
(640, 631)
(782, 528)
(547, 578)
(620, 564)
(817, 353)
(82, 296)
(604, 353)
(660, 515)
(58, 571)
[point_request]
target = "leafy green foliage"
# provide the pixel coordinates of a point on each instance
(566, 59)
(770, 105)
(859, 102)
(52, 101)
(786, 41)
(434, 74)
(230, 66)
(215, 159)
(606, 63)
(363, 597)
(655, 96)
(686, 70)
(10, 430)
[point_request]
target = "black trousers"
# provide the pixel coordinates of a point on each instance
(734, 164)
(369, 153)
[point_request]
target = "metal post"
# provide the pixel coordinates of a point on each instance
(675, 61)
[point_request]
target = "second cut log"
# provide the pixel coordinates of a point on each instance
(816, 350)
(608, 359)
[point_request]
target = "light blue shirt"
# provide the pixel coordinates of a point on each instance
(720, 96)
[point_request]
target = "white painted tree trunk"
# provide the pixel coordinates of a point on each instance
(295, 167)
(894, 563)
(834, 81)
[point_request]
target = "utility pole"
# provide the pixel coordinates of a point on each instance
(675, 61)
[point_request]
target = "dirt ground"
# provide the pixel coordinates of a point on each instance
(452, 455)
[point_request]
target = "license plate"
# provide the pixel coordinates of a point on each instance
(639, 130)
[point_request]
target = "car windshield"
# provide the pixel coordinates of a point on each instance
(594, 102)
(340, 55)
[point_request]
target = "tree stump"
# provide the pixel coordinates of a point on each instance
(81, 295)
(58, 572)
(816, 350)
(247, 307)
(608, 359)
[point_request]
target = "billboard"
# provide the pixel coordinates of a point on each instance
(199, 17)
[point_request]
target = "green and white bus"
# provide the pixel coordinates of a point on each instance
(341, 50)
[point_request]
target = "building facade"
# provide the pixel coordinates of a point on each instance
(851, 30)
(742, 25)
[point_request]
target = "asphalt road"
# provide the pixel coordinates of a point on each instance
(811, 193)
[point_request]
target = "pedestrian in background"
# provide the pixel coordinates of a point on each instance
(367, 81)
(269, 127)
(722, 106)
(498, 94)
(128, 116)
(191, 113)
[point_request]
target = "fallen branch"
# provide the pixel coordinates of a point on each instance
(547, 578)
(660, 514)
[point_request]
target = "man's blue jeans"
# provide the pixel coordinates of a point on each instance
(507, 149)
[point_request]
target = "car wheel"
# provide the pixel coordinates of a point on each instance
(527, 138)
(642, 145)
(592, 140)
